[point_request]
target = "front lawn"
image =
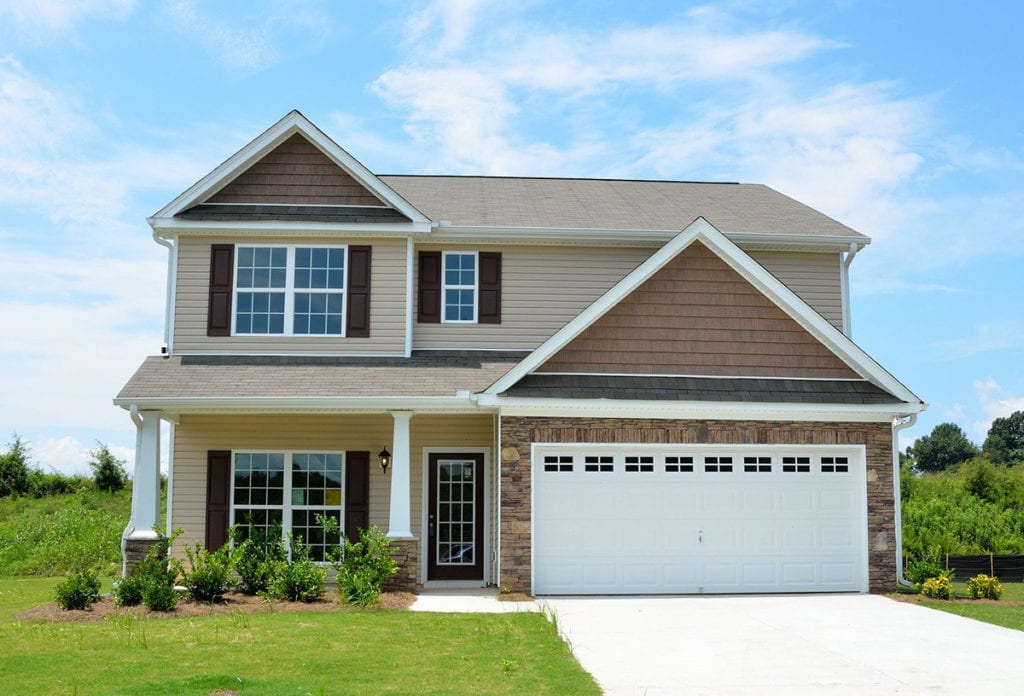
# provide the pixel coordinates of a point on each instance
(352, 652)
(1008, 611)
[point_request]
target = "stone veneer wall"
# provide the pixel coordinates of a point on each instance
(518, 433)
(135, 550)
(407, 554)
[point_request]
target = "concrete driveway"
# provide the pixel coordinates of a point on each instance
(792, 644)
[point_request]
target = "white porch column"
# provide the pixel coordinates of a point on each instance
(146, 479)
(398, 522)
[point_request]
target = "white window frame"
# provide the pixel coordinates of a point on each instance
(475, 287)
(287, 506)
(289, 290)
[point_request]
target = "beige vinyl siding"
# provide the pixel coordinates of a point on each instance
(542, 288)
(387, 304)
(196, 434)
(815, 278)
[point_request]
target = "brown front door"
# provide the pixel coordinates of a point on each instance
(455, 517)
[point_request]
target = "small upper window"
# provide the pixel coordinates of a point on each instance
(459, 287)
(290, 291)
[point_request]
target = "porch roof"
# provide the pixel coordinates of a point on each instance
(425, 374)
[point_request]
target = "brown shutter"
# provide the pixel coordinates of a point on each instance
(489, 311)
(218, 506)
(430, 287)
(358, 314)
(222, 268)
(357, 493)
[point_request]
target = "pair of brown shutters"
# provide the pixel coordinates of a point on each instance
(489, 297)
(218, 496)
(222, 269)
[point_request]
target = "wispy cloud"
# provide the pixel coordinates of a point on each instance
(41, 20)
(984, 338)
(253, 39)
(995, 402)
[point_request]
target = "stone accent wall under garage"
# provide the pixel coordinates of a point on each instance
(518, 433)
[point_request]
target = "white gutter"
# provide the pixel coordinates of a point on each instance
(172, 262)
(299, 404)
(899, 424)
(844, 273)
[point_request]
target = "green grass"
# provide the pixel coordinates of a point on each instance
(355, 652)
(1008, 612)
(62, 533)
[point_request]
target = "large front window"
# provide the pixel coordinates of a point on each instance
(290, 291)
(290, 490)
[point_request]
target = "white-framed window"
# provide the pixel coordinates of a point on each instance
(290, 290)
(290, 490)
(459, 287)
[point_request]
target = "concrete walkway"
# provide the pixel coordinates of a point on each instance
(472, 601)
(786, 645)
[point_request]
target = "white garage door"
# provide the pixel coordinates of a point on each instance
(698, 519)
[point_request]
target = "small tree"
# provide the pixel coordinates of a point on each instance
(14, 468)
(946, 446)
(107, 470)
(1005, 441)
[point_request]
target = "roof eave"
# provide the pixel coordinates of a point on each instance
(300, 404)
(168, 227)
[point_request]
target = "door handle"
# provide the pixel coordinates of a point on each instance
(430, 525)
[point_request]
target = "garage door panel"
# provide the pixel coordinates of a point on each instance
(679, 523)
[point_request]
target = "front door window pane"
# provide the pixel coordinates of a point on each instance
(456, 537)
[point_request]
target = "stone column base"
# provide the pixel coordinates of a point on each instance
(406, 554)
(135, 550)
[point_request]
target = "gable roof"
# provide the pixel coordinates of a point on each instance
(293, 123)
(701, 230)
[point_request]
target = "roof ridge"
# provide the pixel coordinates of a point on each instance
(567, 178)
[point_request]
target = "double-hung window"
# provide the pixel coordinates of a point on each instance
(290, 290)
(289, 490)
(459, 287)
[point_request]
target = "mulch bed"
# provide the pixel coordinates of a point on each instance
(918, 598)
(234, 603)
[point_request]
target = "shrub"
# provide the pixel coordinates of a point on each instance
(365, 566)
(300, 580)
(256, 557)
(940, 587)
(209, 574)
(984, 587)
(42, 484)
(156, 575)
(14, 468)
(107, 470)
(128, 591)
(79, 590)
(159, 596)
(922, 569)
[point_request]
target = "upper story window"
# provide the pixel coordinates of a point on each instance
(290, 290)
(460, 287)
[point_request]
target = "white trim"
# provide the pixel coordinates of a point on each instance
(409, 318)
(303, 404)
(634, 237)
(170, 479)
(697, 410)
(701, 230)
(303, 205)
(166, 228)
(293, 354)
(458, 286)
(425, 506)
(461, 349)
(400, 503)
(693, 376)
(172, 299)
(292, 123)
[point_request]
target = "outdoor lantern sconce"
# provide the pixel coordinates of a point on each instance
(384, 458)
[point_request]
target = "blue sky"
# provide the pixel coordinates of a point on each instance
(903, 120)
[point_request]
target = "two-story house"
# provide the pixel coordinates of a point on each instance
(552, 385)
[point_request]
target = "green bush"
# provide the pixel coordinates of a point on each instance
(14, 468)
(301, 579)
(209, 574)
(107, 470)
(940, 587)
(128, 591)
(920, 570)
(79, 590)
(159, 596)
(984, 587)
(365, 566)
(157, 574)
(42, 484)
(256, 556)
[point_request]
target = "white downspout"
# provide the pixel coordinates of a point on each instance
(899, 424)
(844, 272)
(172, 262)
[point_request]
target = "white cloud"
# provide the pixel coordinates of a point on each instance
(985, 338)
(995, 402)
(48, 19)
(251, 38)
(68, 455)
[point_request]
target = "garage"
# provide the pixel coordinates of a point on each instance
(691, 519)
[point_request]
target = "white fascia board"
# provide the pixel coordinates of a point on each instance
(170, 227)
(292, 123)
(700, 229)
(303, 404)
(447, 233)
(697, 410)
